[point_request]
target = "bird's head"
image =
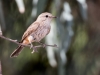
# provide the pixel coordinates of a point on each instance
(45, 17)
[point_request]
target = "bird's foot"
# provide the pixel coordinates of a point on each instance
(34, 50)
(44, 45)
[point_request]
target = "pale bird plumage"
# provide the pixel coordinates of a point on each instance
(35, 32)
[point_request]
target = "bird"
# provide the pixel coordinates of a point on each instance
(35, 32)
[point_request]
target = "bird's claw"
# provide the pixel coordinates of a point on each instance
(34, 50)
(44, 45)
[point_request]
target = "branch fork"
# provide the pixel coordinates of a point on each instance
(34, 47)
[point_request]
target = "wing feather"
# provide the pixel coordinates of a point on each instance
(33, 27)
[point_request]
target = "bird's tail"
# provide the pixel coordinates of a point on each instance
(16, 52)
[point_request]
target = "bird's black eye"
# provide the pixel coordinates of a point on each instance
(46, 16)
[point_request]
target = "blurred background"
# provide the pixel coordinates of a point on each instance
(76, 31)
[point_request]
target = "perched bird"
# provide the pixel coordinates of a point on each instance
(35, 32)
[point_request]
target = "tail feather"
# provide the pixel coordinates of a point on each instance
(17, 51)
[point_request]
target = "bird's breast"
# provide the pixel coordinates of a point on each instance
(41, 32)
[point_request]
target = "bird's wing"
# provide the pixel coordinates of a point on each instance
(33, 27)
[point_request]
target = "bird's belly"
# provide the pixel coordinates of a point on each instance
(40, 34)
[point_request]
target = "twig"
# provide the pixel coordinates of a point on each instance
(34, 47)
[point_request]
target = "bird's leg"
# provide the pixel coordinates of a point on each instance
(30, 38)
(34, 48)
(40, 42)
(31, 46)
(44, 45)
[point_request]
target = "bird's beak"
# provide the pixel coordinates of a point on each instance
(54, 17)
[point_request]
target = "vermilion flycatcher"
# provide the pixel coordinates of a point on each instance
(35, 32)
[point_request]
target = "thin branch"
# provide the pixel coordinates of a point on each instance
(34, 47)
